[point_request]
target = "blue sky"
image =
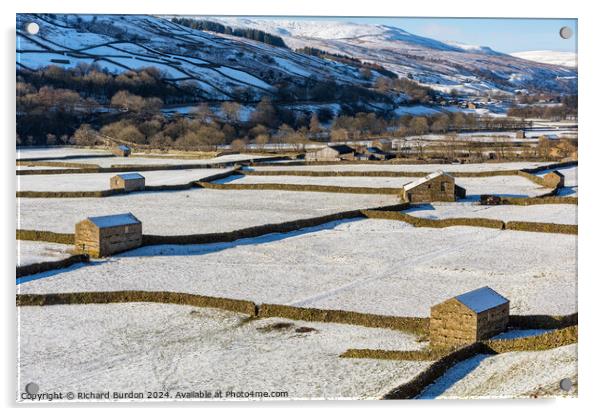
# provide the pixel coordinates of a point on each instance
(504, 35)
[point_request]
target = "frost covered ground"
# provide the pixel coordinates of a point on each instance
(100, 181)
(160, 347)
(558, 214)
(375, 266)
(514, 185)
(508, 375)
(29, 252)
(192, 211)
(469, 167)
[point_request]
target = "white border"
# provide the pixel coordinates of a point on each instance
(590, 153)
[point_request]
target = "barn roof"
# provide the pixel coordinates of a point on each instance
(341, 148)
(375, 150)
(427, 178)
(128, 176)
(114, 220)
(480, 300)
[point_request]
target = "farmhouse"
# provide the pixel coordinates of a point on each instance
(331, 153)
(437, 186)
(470, 317)
(122, 150)
(106, 235)
(128, 182)
(554, 179)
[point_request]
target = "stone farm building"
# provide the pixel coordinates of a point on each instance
(128, 182)
(331, 153)
(106, 235)
(437, 186)
(122, 150)
(470, 317)
(553, 179)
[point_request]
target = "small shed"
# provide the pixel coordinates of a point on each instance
(385, 145)
(122, 150)
(470, 317)
(553, 179)
(376, 153)
(331, 153)
(520, 134)
(437, 186)
(128, 182)
(106, 235)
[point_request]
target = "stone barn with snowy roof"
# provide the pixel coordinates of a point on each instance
(470, 317)
(553, 179)
(437, 186)
(331, 153)
(106, 235)
(128, 182)
(122, 150)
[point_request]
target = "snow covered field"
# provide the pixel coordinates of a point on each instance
(510, 186)
(29, 252)
(155, 347)
(375, 266)
(499, 185)
(358, 181)
(27, 167)
(144, 159)
(558, 214)
(100, 181)
(508, 375)
(192, 211)
(469, 167)
(50, 152)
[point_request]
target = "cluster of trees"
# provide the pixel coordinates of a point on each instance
(49, 115)
(90, 81)
(416, 93)
(368, 124)
(548, 112)
(366, 66)
(254, 34)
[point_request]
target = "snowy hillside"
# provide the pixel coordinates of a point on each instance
(442, 65)
(568, 59)
(223, 67)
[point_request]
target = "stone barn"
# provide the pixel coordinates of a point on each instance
(554, 179)
(437, 186)
(122, 150)
(470, 317)
(331, 153)
(106, 235)
(128, 182)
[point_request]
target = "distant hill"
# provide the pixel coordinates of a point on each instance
(441, 65)
(568, 59)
